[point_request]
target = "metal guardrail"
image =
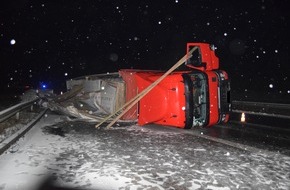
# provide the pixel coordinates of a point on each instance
(266, 104)
(9, 112)
(262, 108)
(7, 143)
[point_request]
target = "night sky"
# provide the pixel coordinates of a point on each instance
(50, 41)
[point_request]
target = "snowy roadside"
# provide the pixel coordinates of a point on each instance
(132, 157)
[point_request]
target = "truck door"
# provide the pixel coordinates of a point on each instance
(204, 59)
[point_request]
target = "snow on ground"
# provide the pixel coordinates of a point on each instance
(78, 155)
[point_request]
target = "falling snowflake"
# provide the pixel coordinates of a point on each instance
(12, 42)
(113, 57)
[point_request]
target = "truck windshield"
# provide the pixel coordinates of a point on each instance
(195, 60)
(200, 98)
(196, 95)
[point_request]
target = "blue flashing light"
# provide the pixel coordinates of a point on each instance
(43, 86)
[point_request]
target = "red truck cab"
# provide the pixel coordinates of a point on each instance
(198, 96)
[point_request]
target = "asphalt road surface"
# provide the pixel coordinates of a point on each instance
(61, 154)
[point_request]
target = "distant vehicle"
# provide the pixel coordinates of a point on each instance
(196, 97)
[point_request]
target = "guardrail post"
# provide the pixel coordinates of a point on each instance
(17, 115)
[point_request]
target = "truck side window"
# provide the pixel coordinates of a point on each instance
(195, 60)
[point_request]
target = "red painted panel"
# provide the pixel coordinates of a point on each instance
(165, 103)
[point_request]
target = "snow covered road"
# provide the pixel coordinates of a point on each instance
(77, 155)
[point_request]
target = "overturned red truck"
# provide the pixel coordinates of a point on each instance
(198, 96)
